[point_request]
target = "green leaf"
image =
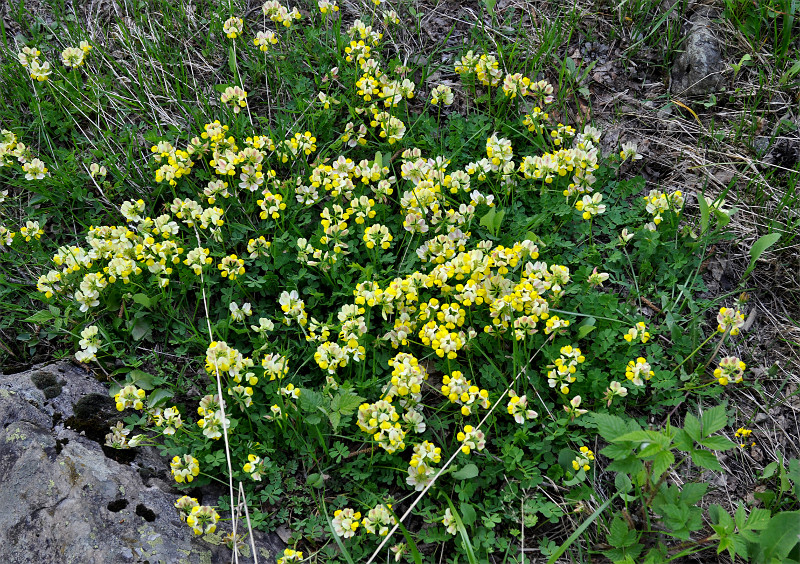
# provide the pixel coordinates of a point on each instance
(141, 379)
(310, 400)
(713, 420)
(618, 533)
(142, 299)
(691, 425)
(39, 317)
(757, 520)
(586, 327)
(780, 536)
(346, 403)
(232, 60)
(141, 329)
(645, 437)
(717, 442)
(158, 396)
(468, 514)
(623, 483)
(693, 492)
(706, 459)
(610, 426)
(705, 211)
(466, 473)
(758, 248)
(465, 539)
(661, 462)
(314, 480)
(578, 532)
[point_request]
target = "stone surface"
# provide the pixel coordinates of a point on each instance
(62, 500)
(698, 71)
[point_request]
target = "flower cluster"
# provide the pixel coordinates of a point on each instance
(638, 371)
(658, 203)
(731, 369)
(730, 321)
(637, 333)
(184, 468)
(129, 396)
(345, 522)
(90, 344)
(581, 462)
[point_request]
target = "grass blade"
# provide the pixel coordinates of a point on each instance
(579, 531)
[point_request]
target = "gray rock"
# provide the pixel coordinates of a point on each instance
(63, 501)
(698, 70)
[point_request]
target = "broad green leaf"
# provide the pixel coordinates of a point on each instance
(706, 459)
(310, 400)
(39, 317)
(346, 403)
(314, 480)
(691, 425)
(466, 473)
(713, 420)
(780, 536)
(142, 299)
(468, 514)
(609, 426)
(141, 329)
(764, 242)
(586, 327)
(661, 462)
(717, 442)
(693, 492)
(644, 436)
(141, 379)
(618, 533)
(758, 519)
(159, 396)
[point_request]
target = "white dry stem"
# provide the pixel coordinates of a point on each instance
(453, 456)
(235, 556)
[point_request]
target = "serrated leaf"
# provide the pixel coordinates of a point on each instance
(616, 451)
(683, 441)
(661, 462)
(758, 519)
(623, 483)
(39, 317)
(310, 400)
(466, 473)
(691, 425)
(706, 459)
(780, 536)
(644, 436)
(713, 420)
(618, 533)
(335, 418)
(609, 426)
(346, 403)
(717, 442)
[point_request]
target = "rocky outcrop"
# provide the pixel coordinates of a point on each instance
(62, 500)
(698, 71)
